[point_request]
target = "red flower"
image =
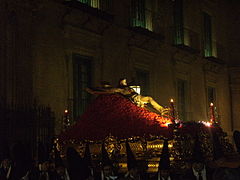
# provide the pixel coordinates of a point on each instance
(116, 115)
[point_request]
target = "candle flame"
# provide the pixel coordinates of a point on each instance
(208, 124)
(66, 111)
(211, 104)
(171, 100)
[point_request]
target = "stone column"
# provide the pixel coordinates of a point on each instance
(235, 96)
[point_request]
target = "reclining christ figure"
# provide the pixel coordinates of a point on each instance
(130, 93)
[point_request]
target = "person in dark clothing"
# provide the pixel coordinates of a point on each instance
(136, 168)
(199, 169)
(226, 174)
(46, 173)
(164, 168)
(108, 171)
(33, 172)
(60, 169)
(62, 173)
(77, 168)
(6, 169)
(236, 137)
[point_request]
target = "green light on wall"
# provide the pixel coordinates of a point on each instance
(207, 35)
(138, 23)
(179, 36)
(207, 53)
(88, 2)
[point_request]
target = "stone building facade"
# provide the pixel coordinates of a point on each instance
(181, 49)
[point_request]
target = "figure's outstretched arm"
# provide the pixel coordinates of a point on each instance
(91, 91)
(104, 91)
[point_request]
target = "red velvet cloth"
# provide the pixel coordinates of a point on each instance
(116, 115)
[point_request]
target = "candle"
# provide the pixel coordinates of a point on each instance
(172, 111)
(66, 120)
(212, 113)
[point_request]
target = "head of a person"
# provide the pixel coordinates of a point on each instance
(123, 82)
(107, 170)
(164, 172)
(226, 174)
(138, 168)
(60, 170)
(6, 163)
(134, 171)
(198, 166)
(45, 166)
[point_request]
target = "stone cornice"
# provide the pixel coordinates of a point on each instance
(143, 52)
(85, 21)
(77, 37)
(213, 66)
(234, 76)
(24, 5)
(142, 41)
(180, 56)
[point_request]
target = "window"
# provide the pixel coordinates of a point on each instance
(142, 80)
(178, 22)
(141, 12)
(81, 80)
(88, 2)
(211, 93)
(183, 37)
(137, 89)
(99, 4)
(182, 99)
(207, 35)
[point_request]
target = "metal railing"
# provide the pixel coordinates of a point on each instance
(29, 124)
(104, 5)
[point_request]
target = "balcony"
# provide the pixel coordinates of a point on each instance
(142, 22)
(217, 53)
(98, 8)
(185, 39)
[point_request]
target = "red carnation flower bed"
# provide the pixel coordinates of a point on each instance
(116, 115)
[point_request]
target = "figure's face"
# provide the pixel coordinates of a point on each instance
(198, 166)
(123, 82)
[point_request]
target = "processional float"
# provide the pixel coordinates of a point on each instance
(112, 119)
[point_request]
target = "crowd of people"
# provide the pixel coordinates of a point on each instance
(15, 166)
